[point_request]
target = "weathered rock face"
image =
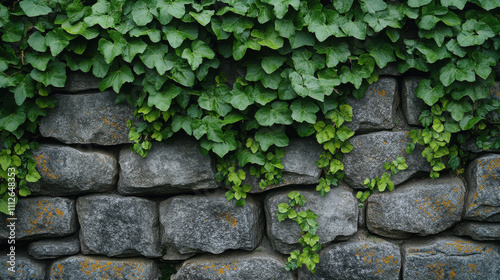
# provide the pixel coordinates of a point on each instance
(479, 231)
(451, 258)
(235, 266)
(88, 118)
(168, 168)
(372, 150)
(299, 165)
(112, 225)
(357, 260)
(412, 105)
(39, 217)
(69, 171)
(421, 207)
(95, 267)
(337, 217)
(26, 268)
(80, 82)
(376, 110)
(483, 183)
(54, 248)
(208, 223)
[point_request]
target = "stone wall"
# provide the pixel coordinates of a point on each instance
(101, 211)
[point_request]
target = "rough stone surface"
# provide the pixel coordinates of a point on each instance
(371, 151)
(337, 217)
(40, 217)
(208, 223)
(391, 69)
(112, 225)
(69, 171)
(168, 168)
(376, 110)
(361, 259)
(483, 183)
(26, 268)
(88, 118)
(299, 165)
(494, 117)
(470, 146)
(412, 105)
(235, 266)
(80, 82)
(451, 258)
(479, 231)
(95, 267)
(54, 248)
(421, 207)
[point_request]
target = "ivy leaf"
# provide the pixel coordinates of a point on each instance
(141, 14)
(202, 18)
(134, 46)
(111, 50)
(373, 6)
(342, 6)
(468, 122)
(246, 156)
(241, 97)
(195, 55)
(285, 27)
(24, 89)
(56, 40)
(326, 24)
(13, 31)
(281, 6)
(269, 38)
(236, 24)
(240, 48)
(275, 113)
(475, 91)
(183, 75)
(54, 75)
(105, 21)
(34, 8)
(263, 95)
(460, 4)
(382, 53)
(483, 63)
(458, 109)
(302, 38)
(12, 121)
(116, 77)
(356, 29)
(174, 8)
(177, 35)
(429, 94)
(214, 129)
(37, 42)
(463, 71)
(474, 33)
(38, 61)
(272, 63)
(344, 133)
(304, 111)
(268, 136)
(154, 57)
(163, 98)
(335, 53)
(418, 3)
(307, 85)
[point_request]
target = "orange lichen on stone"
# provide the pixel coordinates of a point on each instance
(380, 92)
(437, 270)
(41, 162)
(230, 219)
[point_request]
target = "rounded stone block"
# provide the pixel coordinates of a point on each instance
(68, 171)
(421, 207)
(412, 105)
(479, 231)
(25, 267)
(54, 248)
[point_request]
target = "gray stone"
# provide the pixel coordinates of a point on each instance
(470, 145)
(451, 258)
(391, 69)
(363, 259)
(112, 225)
(483, 183)
(299, 165)
(78, 82)
(26, 268)
(412, 105)
(69, 171)
(169, 168)
(41, 217)
(371, 151)
(421, 207)
(96, 267)
(54, 248)
(337, 217)
(479, 231)
(208, 223)
(235, 266)
(493, 116)
(88, 118)
(376, 110)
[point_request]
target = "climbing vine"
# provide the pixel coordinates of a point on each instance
(242, 77)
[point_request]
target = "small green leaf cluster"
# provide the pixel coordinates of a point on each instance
(308, 226)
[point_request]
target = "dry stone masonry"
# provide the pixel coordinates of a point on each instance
(100, 211)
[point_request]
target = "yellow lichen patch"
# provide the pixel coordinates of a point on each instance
(452, 274)
(230, 219)
(366, 254)
(41, 162)
(472, 267)
(436, 270)
(59, 212)
(380, 92)
(43, 215)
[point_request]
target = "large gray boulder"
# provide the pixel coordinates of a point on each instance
(337, 217)
(54, 248)
(168, 168)
(208, 223)
(483, 183)
(235, 266)
(96, 267)
(41, 217)
(360, 259)
(451, 258)
(376, 110)
(26, 268)
(68, 171)
(112, 225)
(479, 231)
(371, 151)
(91, 118)
(421, 207)
(412, 105)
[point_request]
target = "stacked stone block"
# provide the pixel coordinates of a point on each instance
(100, 211)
